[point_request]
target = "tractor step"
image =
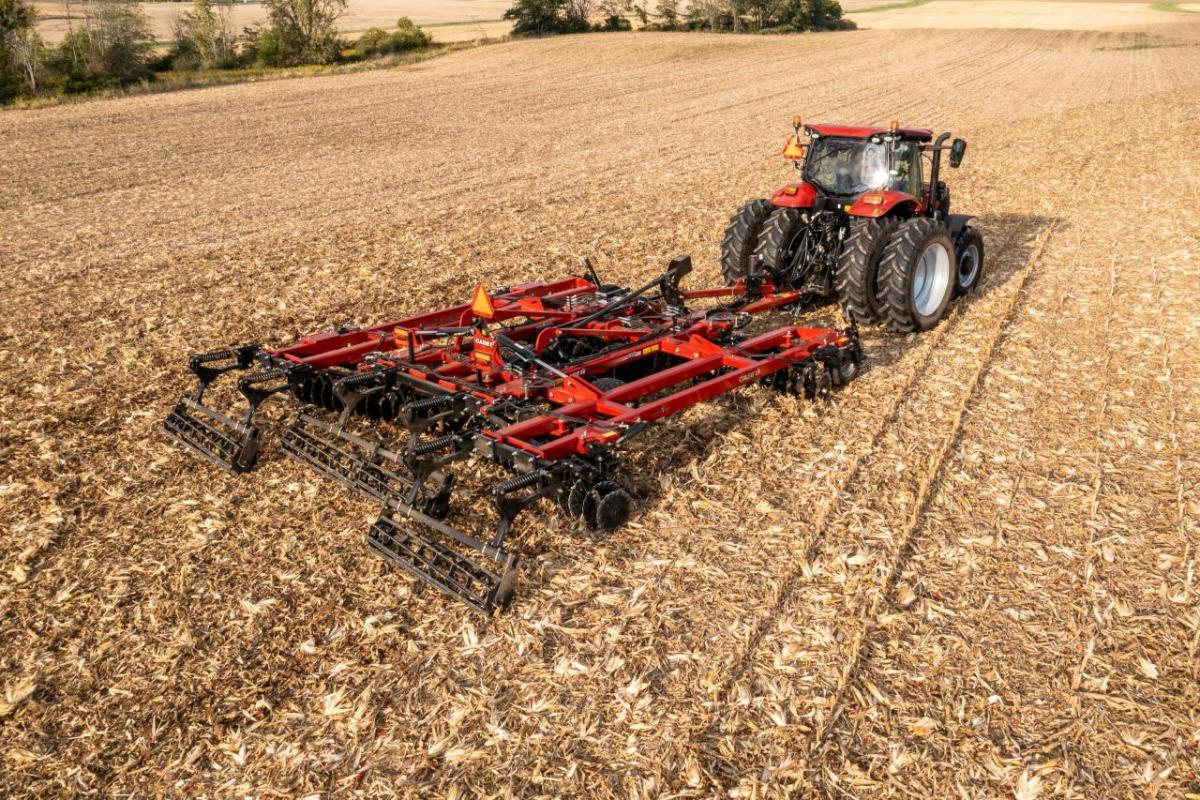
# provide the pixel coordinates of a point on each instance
(220, 439)
(445, 558)
(364, 465)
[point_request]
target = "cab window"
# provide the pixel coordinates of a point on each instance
(906, 169)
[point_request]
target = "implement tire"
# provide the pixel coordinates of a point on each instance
(741, 237)
(916, 276)
(858, 268)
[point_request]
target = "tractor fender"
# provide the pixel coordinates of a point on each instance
(880, 203)
(794, 195)
(956, 223)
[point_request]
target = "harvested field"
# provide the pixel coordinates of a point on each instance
(971, 574)
(1080, 15)
(456, 21)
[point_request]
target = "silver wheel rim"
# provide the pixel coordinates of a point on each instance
(931, 280)
(968, 266)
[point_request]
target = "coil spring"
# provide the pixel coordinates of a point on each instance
(427, 403)
(215, 355)
(433, 446)
(518, 483)
(262, 377)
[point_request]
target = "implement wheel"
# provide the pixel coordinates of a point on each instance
(858, 268)
(741, 237)
(916, 276)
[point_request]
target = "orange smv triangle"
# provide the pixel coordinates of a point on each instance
(482, 305)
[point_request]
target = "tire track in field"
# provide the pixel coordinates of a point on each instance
(868, 742)
(929, 344)
(928, 485)
(917, 519)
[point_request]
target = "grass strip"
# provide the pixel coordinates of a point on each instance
(174, 81)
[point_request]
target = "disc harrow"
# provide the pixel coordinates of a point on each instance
(538, 386)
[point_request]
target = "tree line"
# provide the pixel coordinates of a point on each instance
(544, 17)
(109, 44)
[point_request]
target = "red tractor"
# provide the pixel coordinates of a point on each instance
(864, 223)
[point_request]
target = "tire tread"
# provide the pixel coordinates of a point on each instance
(898, 260)
(856, 276)
(777, 232)
(741, 238)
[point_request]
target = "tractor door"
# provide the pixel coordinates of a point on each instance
(906, 170)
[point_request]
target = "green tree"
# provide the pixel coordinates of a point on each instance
(300, 32)
(759, 13)
(668, 12)
(811, 15)
(203, 37)
(112, 45)
(19, 49)
(377, 41)
(15, 15)
(542, 17)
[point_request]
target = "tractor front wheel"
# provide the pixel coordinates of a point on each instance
(741, 237)
(858, 268)
(969, 255)
(916, 276)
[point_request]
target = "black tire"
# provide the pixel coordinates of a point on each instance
(968, 260)
(741, 237)
(607, 384)
(858, 267)
(913, 296)
(777, 239)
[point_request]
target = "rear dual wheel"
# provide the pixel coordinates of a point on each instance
(917, 276)
(902, 273)
(857, 271)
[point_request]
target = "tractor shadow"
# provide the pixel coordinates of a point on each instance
(1009, 241)
(679, 447)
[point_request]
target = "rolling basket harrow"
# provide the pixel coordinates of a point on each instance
(540, 384)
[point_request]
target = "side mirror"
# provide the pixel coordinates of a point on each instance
(957, 148)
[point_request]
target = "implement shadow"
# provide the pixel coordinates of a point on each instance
(679, 447)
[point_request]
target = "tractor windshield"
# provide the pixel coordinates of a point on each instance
(846, 166)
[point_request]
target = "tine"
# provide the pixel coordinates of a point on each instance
(361, 464)
(224, 441)
(439, 555)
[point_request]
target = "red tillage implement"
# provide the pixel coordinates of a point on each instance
(544, 382)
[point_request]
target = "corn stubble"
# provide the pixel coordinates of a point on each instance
(972, 573)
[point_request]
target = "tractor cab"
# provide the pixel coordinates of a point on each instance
(845, 162)
(868, 220)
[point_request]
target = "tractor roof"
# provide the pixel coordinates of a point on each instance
(864, 131)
